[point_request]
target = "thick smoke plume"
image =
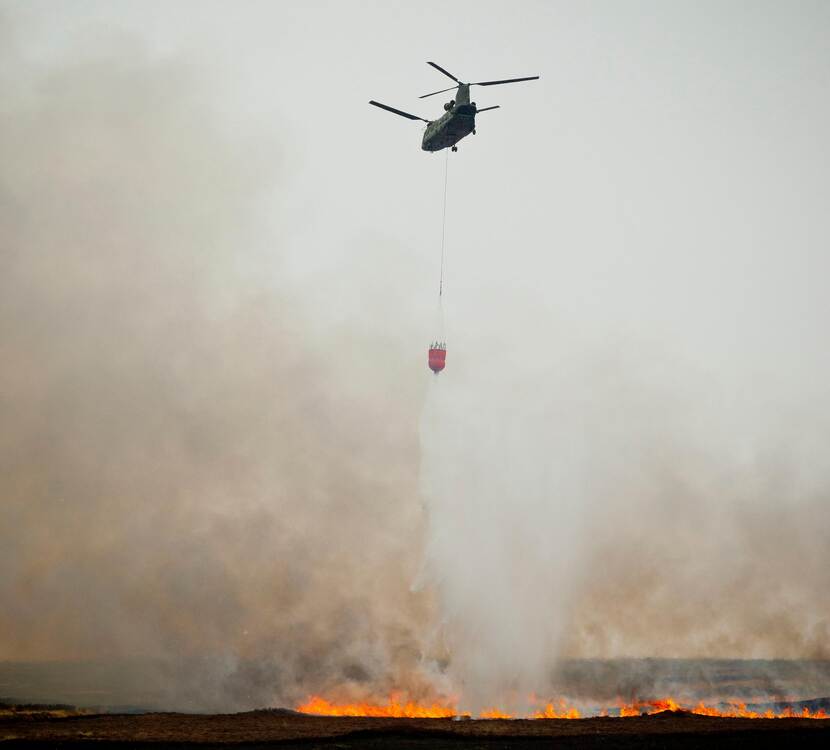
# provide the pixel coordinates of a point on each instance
(191, 471)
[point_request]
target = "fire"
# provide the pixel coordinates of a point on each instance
(494, 713)
(734, 710)
(650, 707)
(394, 708)
(739, 710)
(564, 712)
(397, 708)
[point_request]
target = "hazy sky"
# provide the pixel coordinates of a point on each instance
(218, 277)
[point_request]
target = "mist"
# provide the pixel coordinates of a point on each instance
(224, 464)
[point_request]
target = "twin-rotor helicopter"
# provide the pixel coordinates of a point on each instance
(459, 118)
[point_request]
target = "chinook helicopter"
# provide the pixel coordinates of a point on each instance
(459, 118)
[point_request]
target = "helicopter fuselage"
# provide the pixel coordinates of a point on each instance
(459, 120)
(450, 128)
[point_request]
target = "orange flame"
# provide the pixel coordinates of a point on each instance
(494, 713)
(394, 708)
(734, 710)
(649, 707)
(564, 712)
(397, 708)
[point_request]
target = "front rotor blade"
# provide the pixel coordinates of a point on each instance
(398, 112)
(451, 88)
(484, 109)
(445, 72)
(506, 80)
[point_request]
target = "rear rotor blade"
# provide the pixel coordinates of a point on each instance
(451, 88)
(398, 112)
(506, 80)
(484, 109)
(445, 72)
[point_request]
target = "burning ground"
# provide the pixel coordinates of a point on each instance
(666, 730)
(398, 708)
(618, 688)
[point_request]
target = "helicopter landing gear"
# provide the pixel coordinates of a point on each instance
(474, 132)
(455, 148)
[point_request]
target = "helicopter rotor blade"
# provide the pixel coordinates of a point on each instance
(506, 80)
(445, 72)
(451, 88)
(484, 109)
(399, 112)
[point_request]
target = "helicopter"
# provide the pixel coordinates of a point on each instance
(459, 118)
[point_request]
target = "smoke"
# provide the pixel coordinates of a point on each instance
(500, 550)
(579, 511)
(193, 472)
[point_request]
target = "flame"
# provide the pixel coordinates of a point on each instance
(739, 710)
(733, 710)
(649, 707)
(395, 707)
(564, 712)
(494, 713)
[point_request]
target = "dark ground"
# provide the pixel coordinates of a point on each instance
(274, 728)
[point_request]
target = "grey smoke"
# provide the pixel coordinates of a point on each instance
(190, 469)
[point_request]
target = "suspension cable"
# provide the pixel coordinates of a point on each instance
(443, 224)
